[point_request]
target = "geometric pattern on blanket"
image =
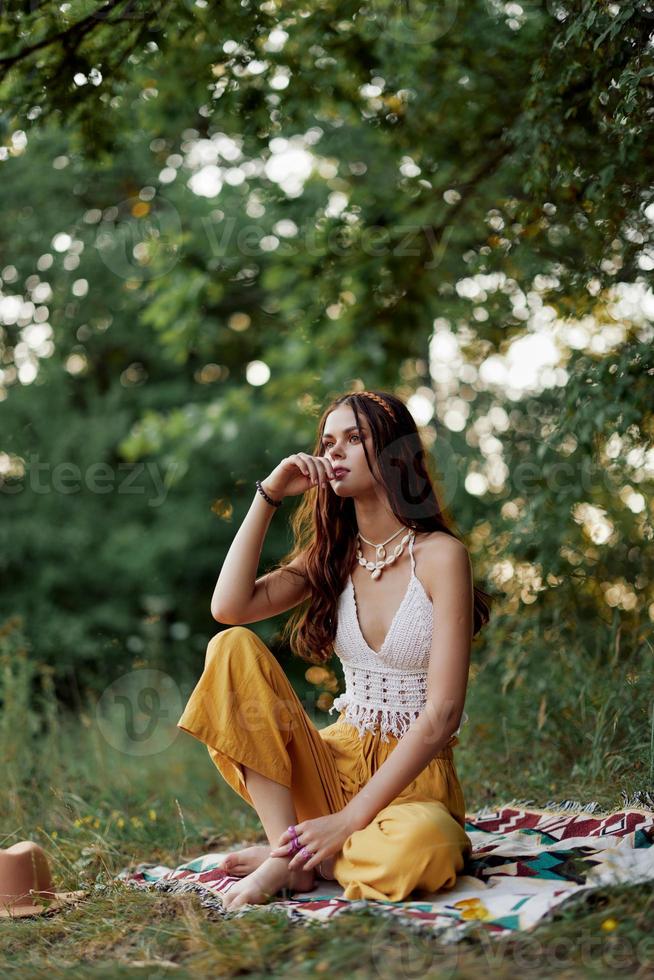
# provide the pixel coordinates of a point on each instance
(525, 862)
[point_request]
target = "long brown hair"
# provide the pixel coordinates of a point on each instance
(325, 528)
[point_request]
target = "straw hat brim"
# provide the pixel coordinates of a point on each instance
(46, 903)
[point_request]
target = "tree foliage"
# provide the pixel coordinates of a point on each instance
(189, 189)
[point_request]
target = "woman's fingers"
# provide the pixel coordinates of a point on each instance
(311, 466)
(317, 469)
(299, 863)
(301, 465)
(327, 467)
(301, 859)
(322, 469)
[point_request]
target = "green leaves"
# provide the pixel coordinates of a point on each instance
(313, 193)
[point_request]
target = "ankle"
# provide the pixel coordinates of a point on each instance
(325, 870)
(279, 859)
(301, 877)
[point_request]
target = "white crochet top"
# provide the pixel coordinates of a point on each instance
(386, 690)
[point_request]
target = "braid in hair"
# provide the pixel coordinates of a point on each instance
(380, 401)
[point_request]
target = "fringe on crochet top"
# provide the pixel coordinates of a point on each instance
(386, 690)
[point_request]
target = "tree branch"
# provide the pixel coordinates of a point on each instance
(82, 27)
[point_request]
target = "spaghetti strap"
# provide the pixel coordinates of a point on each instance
(413, 559)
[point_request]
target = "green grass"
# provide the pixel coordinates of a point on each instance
(97, 809)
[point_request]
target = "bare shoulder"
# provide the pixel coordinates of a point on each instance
(440, 557)
(439, 548)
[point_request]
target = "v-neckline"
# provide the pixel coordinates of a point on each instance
(379, 652)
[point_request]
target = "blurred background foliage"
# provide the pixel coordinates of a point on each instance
(217, 216)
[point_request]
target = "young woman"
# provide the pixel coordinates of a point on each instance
(372, 800)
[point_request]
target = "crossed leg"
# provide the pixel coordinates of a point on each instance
(410, 845)
(267, 749)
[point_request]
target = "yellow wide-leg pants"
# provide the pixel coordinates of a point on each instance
(246, 711)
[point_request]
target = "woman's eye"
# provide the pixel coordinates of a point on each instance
(328, 445)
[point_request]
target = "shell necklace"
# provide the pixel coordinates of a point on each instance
(376, 567)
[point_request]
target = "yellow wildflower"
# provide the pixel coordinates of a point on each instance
(473, 908)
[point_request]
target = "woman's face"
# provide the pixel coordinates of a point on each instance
(342, 445)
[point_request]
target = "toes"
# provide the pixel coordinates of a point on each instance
(226, 898)
(232, 866)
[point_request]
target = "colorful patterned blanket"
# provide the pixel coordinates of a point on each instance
(525, 862)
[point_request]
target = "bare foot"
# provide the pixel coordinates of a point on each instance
(263, 883)
(238, 864)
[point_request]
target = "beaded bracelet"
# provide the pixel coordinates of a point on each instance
(275, 503)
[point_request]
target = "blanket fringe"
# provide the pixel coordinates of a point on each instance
(489, 808)
(572, 806)
(641, 800)
(208, 900)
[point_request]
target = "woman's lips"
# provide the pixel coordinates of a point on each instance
(340, 472)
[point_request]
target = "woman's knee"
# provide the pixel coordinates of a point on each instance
(430, 826)
(237, 639)
(437, 837)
